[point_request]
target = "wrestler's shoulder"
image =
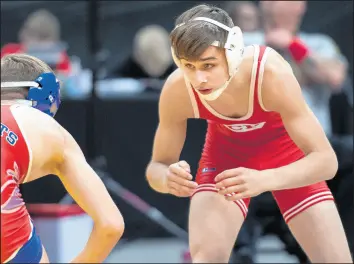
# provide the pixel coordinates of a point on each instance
(249, 53)
(174, 95)
(175, 79)
(247, 60)
(43, 124)
(44, 135)
(274, 62)
(175, 85)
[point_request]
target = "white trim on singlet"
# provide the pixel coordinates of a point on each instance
(13, 111)
(250, 96)
(13, 255)
(260, 78)
(205, 187)
(309, 201)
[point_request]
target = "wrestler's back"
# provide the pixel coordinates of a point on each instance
(44, 138)
(24, 135)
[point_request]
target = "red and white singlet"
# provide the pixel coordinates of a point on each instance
(16, 157)
(257, 140)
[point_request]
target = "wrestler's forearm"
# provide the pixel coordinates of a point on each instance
(156, 176)
(315, 167)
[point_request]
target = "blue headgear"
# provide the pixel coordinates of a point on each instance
(44, 92)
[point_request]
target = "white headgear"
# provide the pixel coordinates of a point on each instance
(234, 48)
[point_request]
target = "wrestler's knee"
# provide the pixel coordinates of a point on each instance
(213, 227)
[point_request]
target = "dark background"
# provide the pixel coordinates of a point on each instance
(121, 19)
(126, 127)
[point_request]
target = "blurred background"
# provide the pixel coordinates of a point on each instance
(113, 58)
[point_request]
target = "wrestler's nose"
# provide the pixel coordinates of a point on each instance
(201, 77)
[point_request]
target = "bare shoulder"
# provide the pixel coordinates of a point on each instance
(175, 86)
(248, 57)
(276, 64)
(248, 54)
(36, 122)
(44, 137)
(51, 130)
(175, 101)
(280, 87)
(245, 69)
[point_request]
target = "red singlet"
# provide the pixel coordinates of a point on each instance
(258, 141)
(16, 225)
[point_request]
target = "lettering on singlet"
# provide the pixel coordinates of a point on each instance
(239, 128)
(9, 135)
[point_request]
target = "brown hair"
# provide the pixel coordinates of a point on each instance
(20, 68)
(191, 39)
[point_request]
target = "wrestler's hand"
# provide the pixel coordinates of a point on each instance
(241, 183)
(179, 179)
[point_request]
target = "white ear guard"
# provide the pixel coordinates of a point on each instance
(234, 45)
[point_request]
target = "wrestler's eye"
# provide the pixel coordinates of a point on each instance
(208, 66)
(189, 66)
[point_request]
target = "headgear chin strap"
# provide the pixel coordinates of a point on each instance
(43, 93)
(234, 48)
(215, 94)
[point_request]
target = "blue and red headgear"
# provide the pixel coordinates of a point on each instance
(43, 93)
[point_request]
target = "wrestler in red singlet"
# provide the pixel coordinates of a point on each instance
(16, 227)
(261, 137)
(258, 140)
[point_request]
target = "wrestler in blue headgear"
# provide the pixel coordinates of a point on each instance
(43, 93)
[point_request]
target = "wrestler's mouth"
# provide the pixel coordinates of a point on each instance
(205, 91)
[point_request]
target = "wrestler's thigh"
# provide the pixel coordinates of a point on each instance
(214, 224)
(312, 217)
(320, 233)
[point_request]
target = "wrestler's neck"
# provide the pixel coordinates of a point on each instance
(233, 87)
(12, 98)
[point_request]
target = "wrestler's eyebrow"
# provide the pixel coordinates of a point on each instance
(207, 58)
